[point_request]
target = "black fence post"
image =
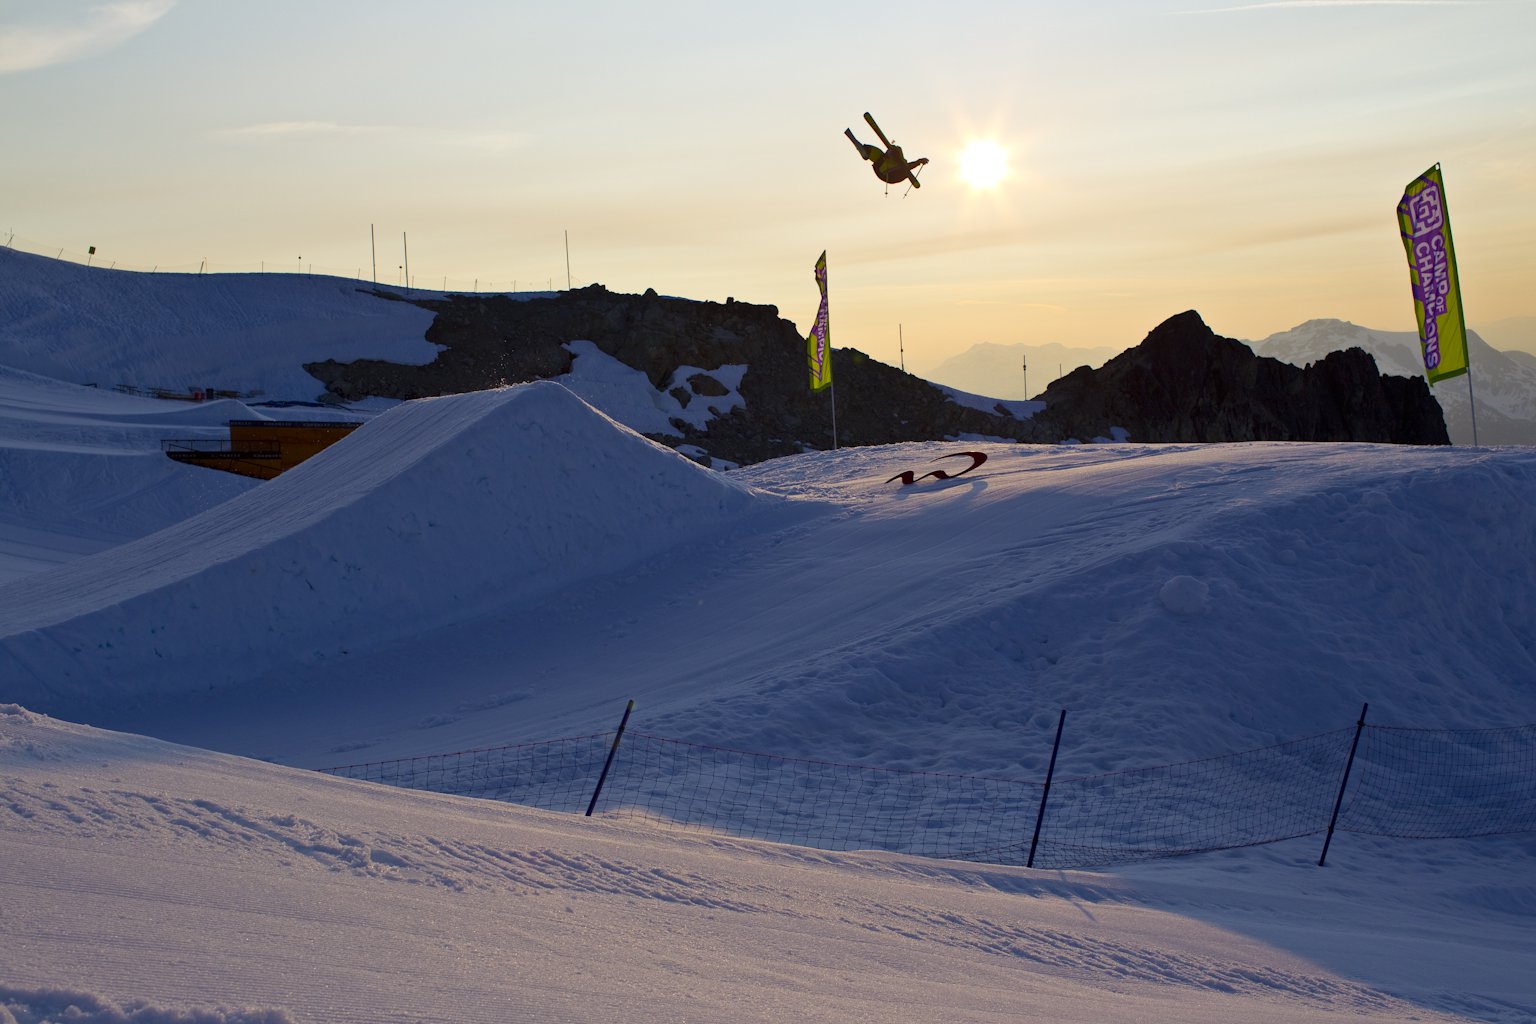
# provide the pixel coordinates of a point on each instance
(1343, 783)
(1046, 793)
(609, 763)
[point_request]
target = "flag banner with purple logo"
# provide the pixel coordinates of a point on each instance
(819, 341)
(1426, 230)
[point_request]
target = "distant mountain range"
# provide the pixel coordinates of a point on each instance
(1503, 383)
(999, 371)
(1504, 379)
(1515, 335)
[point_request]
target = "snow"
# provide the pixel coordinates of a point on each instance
(625, 393)
(178, 647)
(1016, 408)
(249, 333)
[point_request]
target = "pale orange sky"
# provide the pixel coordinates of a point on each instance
(1239, 159)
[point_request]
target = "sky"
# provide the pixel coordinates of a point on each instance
(178, 645)
(1241, 159)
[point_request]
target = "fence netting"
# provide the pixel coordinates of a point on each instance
(554, 775)
(820, 804)
(1406, 783)
(1218, 803)
(1442, 783)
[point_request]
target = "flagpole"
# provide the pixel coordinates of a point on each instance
(1432, 276)
(832, 387)
(1465, 340)
(819, 347)
(1471, 402)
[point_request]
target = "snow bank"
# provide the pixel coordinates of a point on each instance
(1181, 601)
(237, 332)
(626, 394)
(429, 512)
(57, 1005)
(81, 469)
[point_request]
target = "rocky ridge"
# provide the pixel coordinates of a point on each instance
(1183, 383)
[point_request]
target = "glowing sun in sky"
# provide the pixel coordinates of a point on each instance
(983, 163)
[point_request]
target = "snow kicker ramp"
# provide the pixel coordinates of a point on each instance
(436, 508)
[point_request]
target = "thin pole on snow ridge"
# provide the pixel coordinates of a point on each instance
(832, 394)
(1343, 783)
(592, 805)
(1045, 794)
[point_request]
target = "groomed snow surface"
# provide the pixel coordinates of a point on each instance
(178, 648)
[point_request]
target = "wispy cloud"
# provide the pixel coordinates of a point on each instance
(96, 29)
(1269, 5)
(291, 129)
(493, 141)
(489, 140)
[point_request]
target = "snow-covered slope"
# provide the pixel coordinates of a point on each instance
(248, 333)
(512, 565)
(421, 517)
(158, 884)
(1504, 387)
(81, 469)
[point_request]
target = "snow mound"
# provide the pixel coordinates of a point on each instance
(58, 1005)
(1184, 595)
(436, 509)
(242, 332)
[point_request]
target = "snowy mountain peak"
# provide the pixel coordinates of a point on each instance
(1505, 387)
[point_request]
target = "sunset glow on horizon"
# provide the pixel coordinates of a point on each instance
(1095, 167)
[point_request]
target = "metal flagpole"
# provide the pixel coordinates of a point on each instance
(1471, 402)
(832, 388)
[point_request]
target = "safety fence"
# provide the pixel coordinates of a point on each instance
(393, 276)
(1374, 780)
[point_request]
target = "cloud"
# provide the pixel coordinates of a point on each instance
(493, 141)
(94, 30)
(486, 140)
(290, 129)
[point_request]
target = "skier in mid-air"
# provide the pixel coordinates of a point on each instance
(891, 164)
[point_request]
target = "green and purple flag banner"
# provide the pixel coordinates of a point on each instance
(1426, 230)
(819, 341)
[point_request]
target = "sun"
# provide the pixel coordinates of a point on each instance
(983, 163)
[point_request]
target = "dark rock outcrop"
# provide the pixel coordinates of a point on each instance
(494, 340)
(1183, 383)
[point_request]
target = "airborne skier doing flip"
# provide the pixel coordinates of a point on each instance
(891, 164)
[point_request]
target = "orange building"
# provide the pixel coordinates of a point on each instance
(261, 448)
